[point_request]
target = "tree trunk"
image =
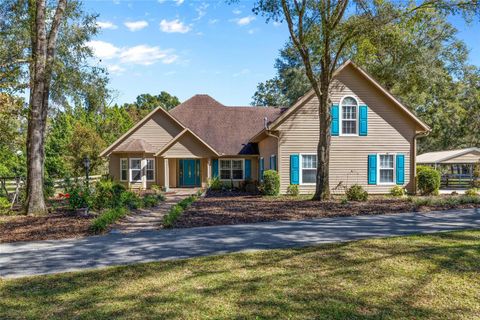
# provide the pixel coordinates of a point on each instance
(322, 188)
(35, 139)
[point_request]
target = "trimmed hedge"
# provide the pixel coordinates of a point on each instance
(428, 180)
(271, 183)
(356, 193)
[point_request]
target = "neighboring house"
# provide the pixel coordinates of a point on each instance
(457, 166)
(373, 141)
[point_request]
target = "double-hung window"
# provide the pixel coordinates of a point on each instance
(386, 168)
(349, 116)
(150, 169)
(231, 169)
(309, 168)
(135, 169)
(123, 169)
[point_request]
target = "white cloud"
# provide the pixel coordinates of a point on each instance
(115, 69)
(102, 49)
(174, 26)
(178, 2)
(141, 54)
(236, 11)
(277, 24)
(201, 11)
(106, 25)
(136, 25)
(244, 21)
(146, 55)
(212, 21)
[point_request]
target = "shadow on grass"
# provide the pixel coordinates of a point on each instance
(405, 277)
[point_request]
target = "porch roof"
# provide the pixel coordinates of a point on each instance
(135, 146)
(442, 156)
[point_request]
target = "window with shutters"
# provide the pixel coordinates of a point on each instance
(386, 168)
(308, 168)
(349, 116)
(231, 169)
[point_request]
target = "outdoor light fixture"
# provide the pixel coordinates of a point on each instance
(86, 163)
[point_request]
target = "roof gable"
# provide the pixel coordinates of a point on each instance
(187, 143)
(311, 94)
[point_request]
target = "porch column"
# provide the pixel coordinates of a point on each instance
(165, 174)
(144, 173)
(209, 168)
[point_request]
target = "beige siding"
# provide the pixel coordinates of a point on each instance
(389, 130)
(188, 146)
(268, 147)
(157, 131)
(471, 157)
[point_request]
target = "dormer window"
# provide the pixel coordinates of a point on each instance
(349, 116)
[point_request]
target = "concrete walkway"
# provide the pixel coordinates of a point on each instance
(31, 258)
(151, 219)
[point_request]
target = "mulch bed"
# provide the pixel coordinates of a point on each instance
(52, 226)
(228, 209)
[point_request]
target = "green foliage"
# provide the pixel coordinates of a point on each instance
(472, 192)
(356, 193)
(344, 201)
(79, 196)
(451, 201)
(176, 211)
(271, 183)
(108, 194)
(151, 200)
(428, 180)
(131, 200)
(292, 190)
(397, 191)
(4, 206)
(215, 184)
(101, 223)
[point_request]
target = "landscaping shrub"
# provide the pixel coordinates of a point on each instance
(150, 200)
(4, 206)
(131, 200)
(292, 190)
(79, 196)
(397, 191)
(271, 183)
(107, 194)
(156, 188)
(452, 201)
(215, 184)
(106, 218)
(356, 193)
(175, 211)
(472, 192)
(428, 180)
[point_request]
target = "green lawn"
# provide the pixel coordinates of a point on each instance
(435, 276)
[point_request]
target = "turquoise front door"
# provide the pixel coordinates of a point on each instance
(189, 172)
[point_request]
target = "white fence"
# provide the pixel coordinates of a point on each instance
(10, 184)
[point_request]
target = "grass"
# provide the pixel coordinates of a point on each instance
(417, 277)
(176, 211)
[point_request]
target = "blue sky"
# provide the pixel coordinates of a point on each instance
(187, 47)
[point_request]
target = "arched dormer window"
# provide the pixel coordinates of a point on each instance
(349, 116)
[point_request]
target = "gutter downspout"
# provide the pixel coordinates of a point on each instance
(414, 160)
(268, 132)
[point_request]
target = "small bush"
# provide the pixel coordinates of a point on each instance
(131, 200)
(292, 190)
(215, 184)
(107, 194)
(271, 183)
(428, 180)
(4, 206)
(397, 191)
(472, 192)
(156, 188)
(356, 193)
(344, 201)
(175, 211)
(150, 200)
(106, 218)
(79, 196)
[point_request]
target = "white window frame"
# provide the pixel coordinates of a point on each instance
(340, 116)
(130, 170)
(301, 169)
(231, 169)
(121, 160)
(394, 155)
(146, 166)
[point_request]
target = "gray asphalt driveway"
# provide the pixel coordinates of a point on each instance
(42, 257)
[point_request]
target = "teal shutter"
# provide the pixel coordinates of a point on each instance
(294, 169)
(215, 168)
(275, 162)
(248, 169)
(372, 169)
(271, 162)
(400, 169)
(363, 121)
(335, 120)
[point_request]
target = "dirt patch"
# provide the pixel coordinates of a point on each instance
(223, 209)
(52, 226)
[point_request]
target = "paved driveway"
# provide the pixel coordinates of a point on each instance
(31, 258)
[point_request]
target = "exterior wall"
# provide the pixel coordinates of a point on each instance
(268, 147)
(114, 169)
(389, 130)
(188, 147)
(471, 157)
(158, 131)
